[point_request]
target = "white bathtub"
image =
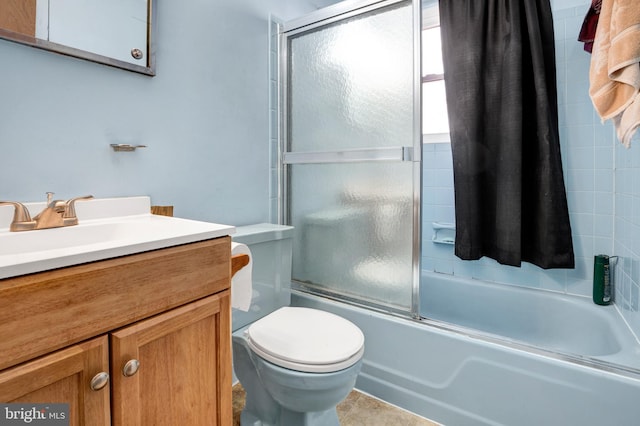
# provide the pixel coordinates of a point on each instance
(459, 378)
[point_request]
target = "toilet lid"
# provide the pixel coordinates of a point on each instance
(305, 339)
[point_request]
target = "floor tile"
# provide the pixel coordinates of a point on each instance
(358, 409)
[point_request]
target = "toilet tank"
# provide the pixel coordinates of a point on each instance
(270, 247)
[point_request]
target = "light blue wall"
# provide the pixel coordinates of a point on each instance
(604, 202)
(204, 116)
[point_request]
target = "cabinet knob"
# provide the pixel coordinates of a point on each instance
(99, 381)
(131, 367)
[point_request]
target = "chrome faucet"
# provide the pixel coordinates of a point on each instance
(57, 213)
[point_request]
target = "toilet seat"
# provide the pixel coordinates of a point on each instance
(307, 340)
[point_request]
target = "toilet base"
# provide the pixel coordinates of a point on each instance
(292, 418)
(276, 396)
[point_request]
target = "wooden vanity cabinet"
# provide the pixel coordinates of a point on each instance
(165, 342)
(63, 376)
(184, 363)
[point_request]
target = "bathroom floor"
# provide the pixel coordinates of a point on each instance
(357, 409)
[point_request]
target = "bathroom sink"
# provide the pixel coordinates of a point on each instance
(102, 233)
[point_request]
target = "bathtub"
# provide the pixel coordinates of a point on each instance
(568, 325)
(551, 362)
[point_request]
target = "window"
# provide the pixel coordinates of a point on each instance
(435, 121)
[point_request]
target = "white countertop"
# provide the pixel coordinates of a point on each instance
(108, 227)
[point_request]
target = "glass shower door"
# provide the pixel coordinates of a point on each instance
(352, 152)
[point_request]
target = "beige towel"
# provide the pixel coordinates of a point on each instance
(615, 66)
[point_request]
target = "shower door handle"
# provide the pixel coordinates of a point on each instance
(407, 153)
(396, 153)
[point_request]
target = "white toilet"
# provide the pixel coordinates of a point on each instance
(295, 364)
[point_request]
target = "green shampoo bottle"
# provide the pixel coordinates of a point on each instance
(602, 286)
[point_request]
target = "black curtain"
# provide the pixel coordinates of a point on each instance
(499, 64)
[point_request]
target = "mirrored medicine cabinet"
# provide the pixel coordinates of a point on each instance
(117, 33)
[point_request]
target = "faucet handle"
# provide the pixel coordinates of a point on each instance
(58, 205)
(69, 217)
(21, 218)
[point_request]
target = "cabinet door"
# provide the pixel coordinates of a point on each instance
(18, 16)
(184, 367)
(89, 25)
(64, 377)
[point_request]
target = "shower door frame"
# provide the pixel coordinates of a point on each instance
(315, 20)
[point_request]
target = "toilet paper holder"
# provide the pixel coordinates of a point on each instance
(238, 261)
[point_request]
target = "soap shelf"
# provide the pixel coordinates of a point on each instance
(443, 233)
(125, 147)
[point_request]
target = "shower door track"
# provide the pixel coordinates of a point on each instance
(336, 12)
